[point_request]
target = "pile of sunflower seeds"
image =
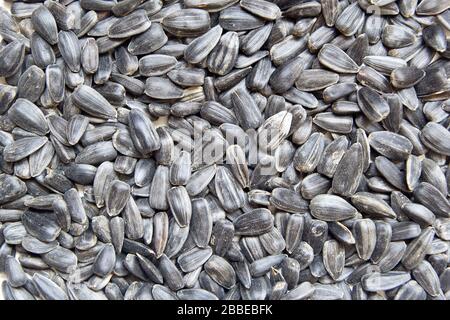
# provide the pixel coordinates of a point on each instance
(225, 149)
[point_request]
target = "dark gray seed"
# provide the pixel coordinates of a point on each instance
(89, 56)
(365, 237)
(434, 37)
(22, 148)
(70, 49)
(307, 9)
(343, 183)
(159, 187)
(61, 259)
(161, 88)
(220, 271)
(221, 237)
(350, 19)
(237, 19)
(33, 245)
(11, 58)
(383, 239)
(160, 233)
(432, 198)
(416, 250)
(180, 205)
(316, 79)
(75, 206)
(337, 60)
(170, 273)
(337, 91)
(410, 291)
(199, 48)
(156, 64)
(255, 222)
(228, 190)
(217, 114)
(435, 137)
(427, 278)
(14, 272)
(76, 127)
(341, 232)
(187, 22)
(301, 292)
(406, 77)
(93, 103)
(104, 68)
(13, 233)
(333, 258)
(432, 173)
(133, 24)
(285, 75)
(28, 116)
(202, 222)
(44, 23)
(143, 133)
(133, 220)
(117, 227)
(395, 36)
(48, 289)
(373, 105)
(370, 205)
(331, 208)
(193, 259)
(372, 78)
(117, 197)
(384, 281)
(97, 153)
(149, 41)
(288, 200)
(31, 84)
(104, 261)
(332, 154)
(384, 64)
(223, 56)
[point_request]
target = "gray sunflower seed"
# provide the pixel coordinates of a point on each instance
(255, 222)
(383, 239)
(134, 228)
(331, 208)
(44, 23)
(180, 205)
(372, 104)
(31, 84)
(350, 19)
(22, 148)
(28, 116)
(172, 276)
(149, 41)
(434, 136)
(48, 289)
(134, 23)
(187, 22)
(221, 237)
(11, 58)
(427, 278)
(343, 183)
(220, 271)
(384, 281)
(416, 250)
(432, 198)
(104, 261)
(89, 56)
(337, 60)
(365, 237)
(91, 102)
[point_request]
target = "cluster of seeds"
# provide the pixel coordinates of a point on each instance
(225, 149)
